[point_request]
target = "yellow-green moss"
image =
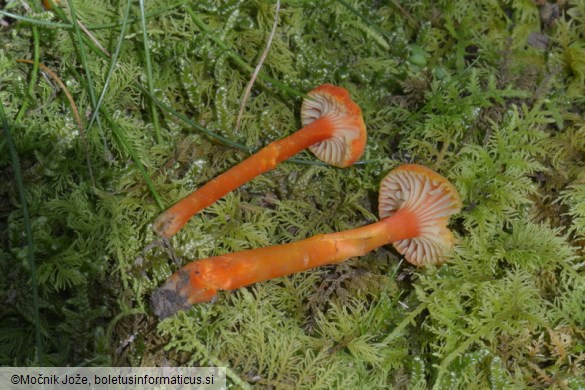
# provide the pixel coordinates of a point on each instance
(489, 93)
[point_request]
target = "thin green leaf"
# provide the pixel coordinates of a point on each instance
(113, 63)
(149, 79)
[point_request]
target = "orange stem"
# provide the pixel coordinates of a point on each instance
(173, 219)
(200, 280)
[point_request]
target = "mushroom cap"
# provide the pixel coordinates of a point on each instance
(348, 142)
(432, 199)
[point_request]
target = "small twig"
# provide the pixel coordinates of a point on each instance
(405, 13)
(74, 110)
(93, 39)
(258, 67)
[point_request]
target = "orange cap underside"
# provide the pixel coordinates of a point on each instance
(353, 119)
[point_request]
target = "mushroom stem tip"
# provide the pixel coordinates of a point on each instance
(166, 302)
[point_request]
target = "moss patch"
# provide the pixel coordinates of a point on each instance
(490, 94)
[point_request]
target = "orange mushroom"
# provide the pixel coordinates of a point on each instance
(415, 204)
(333, 130)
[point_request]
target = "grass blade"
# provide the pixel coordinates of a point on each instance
(113, 63)
(85, 64)
(35, 22)
(149, 80)
(40, 22)
(33, 77)
(28, 232)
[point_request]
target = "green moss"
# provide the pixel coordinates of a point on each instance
(457, 86)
